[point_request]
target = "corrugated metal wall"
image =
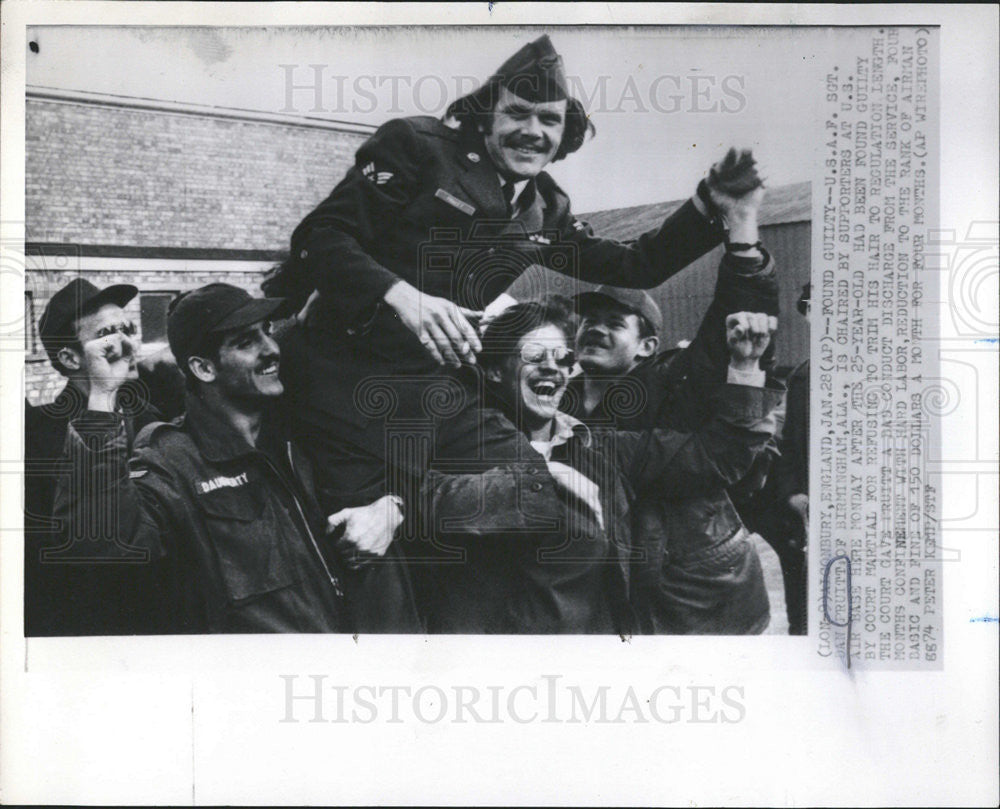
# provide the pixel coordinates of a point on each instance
(685, 297)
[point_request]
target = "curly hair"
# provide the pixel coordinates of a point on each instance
(475, 111)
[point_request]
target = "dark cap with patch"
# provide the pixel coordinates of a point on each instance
(534, 73)
(78, 298)
(209, 310)
(636, 301)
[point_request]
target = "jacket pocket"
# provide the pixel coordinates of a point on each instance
(727, 557)
(248, 543)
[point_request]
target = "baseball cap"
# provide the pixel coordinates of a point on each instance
(209, 310)
(637, 301)
(78, 298)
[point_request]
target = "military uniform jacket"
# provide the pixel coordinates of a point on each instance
(423, 202)
(66, 591)
(233, 531)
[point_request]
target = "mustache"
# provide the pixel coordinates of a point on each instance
(541, 143)
(594, 338)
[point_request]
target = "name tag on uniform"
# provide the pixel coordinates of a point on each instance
(454, 201)
(221, 481)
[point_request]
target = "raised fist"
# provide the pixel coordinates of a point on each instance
(748, 335)
(110, 361)
(735, 175)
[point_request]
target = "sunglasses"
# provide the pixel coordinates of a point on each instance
(535, 354)
(127, 328)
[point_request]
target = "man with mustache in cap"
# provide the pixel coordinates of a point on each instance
(421, 239)
(219, 503)
(699, 571)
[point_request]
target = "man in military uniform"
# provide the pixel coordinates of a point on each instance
(67, 591)
(216, 509)
(418, 241)
(699, 571)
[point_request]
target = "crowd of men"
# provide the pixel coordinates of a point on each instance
(389, 442)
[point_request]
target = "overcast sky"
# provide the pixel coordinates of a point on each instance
(666, 102)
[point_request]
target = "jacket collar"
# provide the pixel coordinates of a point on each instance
(72, 400)
(479, 177)
(481, 181)
(566, 427)
(214, 436)
(471, 154)
(532, 216)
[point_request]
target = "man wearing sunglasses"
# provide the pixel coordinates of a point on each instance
(411, 254)
(66, 591)
(540, 543)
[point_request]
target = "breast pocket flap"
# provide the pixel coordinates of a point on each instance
(249, 543)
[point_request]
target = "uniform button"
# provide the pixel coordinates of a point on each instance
(304, 254)
(536, 486)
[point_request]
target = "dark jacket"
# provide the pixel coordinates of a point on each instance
(423, 203)
(698, 572)
(67, 591)
(234, 531)
(790, 471)
(530, 555)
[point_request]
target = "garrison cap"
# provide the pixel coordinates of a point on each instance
(636, 301)
(535, 73)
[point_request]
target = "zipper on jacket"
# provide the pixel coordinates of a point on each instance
(334, 581)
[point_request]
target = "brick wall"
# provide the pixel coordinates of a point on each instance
(117, 175)
(99, 174)
(43, 382)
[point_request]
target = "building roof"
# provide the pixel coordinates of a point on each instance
(783, 204)
(38, 91)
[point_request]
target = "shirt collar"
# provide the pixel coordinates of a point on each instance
(564, 428)
(518, 186)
